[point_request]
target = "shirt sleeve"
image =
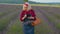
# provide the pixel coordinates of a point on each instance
(21, 15)
(33, 14)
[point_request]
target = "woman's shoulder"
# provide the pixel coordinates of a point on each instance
(31, 10)
(23, 12)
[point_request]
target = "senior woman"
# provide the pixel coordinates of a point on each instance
(27, 17)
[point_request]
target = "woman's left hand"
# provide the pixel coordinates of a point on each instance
(30, 17)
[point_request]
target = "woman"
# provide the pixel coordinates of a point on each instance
(27, 17)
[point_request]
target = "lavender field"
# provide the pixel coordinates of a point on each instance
(10, 23)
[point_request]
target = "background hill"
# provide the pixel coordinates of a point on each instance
(21, 2)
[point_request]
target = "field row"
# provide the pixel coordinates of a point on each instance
(50, 23)
(4, 21)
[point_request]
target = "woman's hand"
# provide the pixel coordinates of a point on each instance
(24, 17)
(30, 17)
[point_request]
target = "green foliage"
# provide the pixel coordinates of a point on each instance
(16, 28)
(58, 25)
(26, 0)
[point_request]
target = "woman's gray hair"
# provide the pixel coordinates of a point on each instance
(29, 6)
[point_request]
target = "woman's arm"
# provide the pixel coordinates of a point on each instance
(22, 16)
(33, 15)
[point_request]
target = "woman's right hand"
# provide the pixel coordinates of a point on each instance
(24, 17)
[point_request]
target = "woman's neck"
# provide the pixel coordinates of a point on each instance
(26, 10)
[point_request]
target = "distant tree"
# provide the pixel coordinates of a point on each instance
(25, 0)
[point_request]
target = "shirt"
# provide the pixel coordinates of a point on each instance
(27, 12)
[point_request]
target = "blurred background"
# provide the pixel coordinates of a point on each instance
(47, 10)
(30, 1)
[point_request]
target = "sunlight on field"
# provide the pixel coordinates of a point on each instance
(45, 5)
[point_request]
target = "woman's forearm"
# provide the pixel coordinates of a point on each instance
(24, 17)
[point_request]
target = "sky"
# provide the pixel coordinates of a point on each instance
(45, 1)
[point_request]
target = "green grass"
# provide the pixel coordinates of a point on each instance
(58, 25)
(2, 13)
(5, 21)
(16, 28)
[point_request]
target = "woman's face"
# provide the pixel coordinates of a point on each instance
(25, 7)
